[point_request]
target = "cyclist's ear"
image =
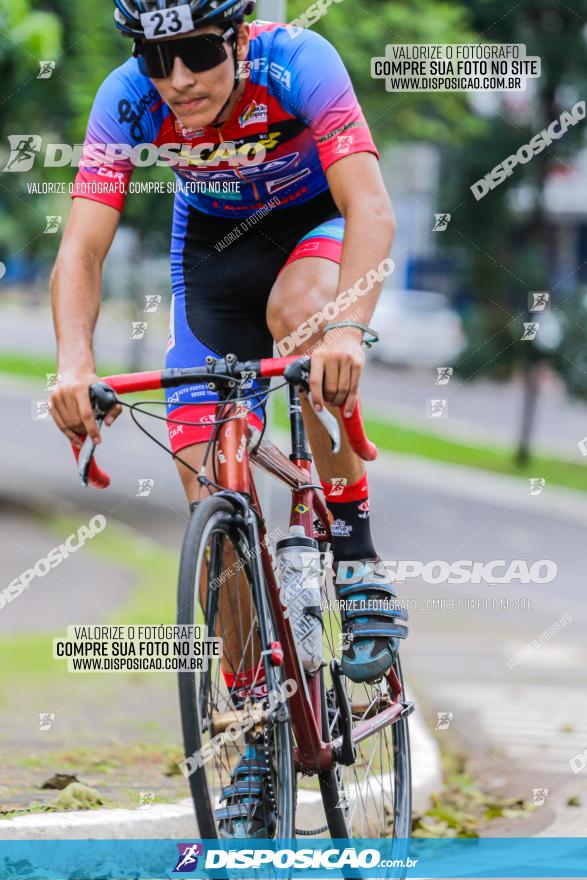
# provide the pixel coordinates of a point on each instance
(243, 39)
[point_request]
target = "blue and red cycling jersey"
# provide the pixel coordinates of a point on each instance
(298, 113)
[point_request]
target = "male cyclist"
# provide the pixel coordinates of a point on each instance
(272, 131)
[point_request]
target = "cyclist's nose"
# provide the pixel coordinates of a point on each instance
(181, 76)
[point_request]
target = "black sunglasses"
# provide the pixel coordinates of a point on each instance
(202, 52)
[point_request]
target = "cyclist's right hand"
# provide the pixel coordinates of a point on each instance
(71, 408)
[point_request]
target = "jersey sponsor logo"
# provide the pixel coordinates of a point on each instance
(131, 112)
(253, 114)
(274, 70)
(283, 182)
(171, 336)
(188, 132)
(337, 131)
(246, 173)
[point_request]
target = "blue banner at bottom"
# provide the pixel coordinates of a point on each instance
(311, 858)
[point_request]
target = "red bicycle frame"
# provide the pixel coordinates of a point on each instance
(234, 474)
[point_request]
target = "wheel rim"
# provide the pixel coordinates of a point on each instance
(224, 731)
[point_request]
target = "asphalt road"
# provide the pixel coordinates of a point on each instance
(516, 692)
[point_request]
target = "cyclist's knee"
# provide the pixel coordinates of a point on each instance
(295, 316)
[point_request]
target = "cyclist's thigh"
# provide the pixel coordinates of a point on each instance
(215, 311)
(307, 286)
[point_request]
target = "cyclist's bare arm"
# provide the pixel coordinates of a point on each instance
(76, 283)
(358, 189)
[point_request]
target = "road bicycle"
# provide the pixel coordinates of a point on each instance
(337, 751)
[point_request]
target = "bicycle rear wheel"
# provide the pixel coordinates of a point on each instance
(221, 585)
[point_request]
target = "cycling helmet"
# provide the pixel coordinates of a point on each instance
(127, 12)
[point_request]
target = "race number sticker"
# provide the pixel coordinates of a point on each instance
(167, 22)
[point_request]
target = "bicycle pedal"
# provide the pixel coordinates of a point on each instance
(408, 708)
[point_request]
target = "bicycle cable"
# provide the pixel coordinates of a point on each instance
(136, 407)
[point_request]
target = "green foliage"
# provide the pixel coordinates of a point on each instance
(507, 252)
(360, 31)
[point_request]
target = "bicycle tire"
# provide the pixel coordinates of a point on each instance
(211, 516)
(330, 781)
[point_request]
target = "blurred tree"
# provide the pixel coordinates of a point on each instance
(360, 31)
(27, 37)
(510, 248)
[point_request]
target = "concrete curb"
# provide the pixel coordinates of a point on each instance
(176, 821)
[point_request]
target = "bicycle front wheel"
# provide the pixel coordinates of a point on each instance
(221, 586)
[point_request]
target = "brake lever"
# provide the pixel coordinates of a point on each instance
(86, 454)
(103, 399)
(330, 423)
(299, 374)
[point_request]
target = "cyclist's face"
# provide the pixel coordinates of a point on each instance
(197, 98)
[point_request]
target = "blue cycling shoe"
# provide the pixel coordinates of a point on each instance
(369, 613)
(250, 806)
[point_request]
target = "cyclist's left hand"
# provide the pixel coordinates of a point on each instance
(336, 369)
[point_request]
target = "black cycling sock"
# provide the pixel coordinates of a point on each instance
(350, 529)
